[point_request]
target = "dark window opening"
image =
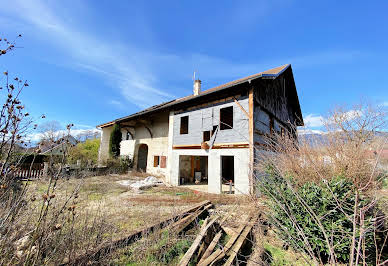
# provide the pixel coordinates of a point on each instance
(128, 137)
(226, 118)
(184, 125)
(206, 135)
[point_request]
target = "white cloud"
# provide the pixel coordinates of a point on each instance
(134, 71)
(119, 64)
(313, 120)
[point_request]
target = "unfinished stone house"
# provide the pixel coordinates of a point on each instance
(211, 137)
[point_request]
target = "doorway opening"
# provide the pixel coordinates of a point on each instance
(142, 156)
(193, 171)
(227, 174)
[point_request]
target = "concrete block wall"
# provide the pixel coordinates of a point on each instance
(205, 118)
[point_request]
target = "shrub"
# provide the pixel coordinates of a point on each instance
(292, 218)
(86, 151)
(114, 141)
(119, 165)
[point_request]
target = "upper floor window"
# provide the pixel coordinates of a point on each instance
(226, 118)
(184, 125)
(206, 135)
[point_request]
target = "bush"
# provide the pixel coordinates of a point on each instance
(291, 218)
(119, 165)
(86, 152)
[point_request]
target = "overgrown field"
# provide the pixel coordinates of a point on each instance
(111, 211)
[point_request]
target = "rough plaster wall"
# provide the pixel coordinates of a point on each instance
(157, 145)
(127, 148)
(103, 153)
(205, 118)
(241, 167)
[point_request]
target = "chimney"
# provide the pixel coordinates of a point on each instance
(197, 87)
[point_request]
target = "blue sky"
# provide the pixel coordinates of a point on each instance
(89, 62)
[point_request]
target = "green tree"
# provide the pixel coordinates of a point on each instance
(85, 151)
(114, 142)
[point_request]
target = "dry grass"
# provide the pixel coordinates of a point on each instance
(127, 210)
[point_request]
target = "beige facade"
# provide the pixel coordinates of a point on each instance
(154, 134)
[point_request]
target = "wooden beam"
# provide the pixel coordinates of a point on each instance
(242, 108)
(182, 224)
(192, 167)
(110, 247)
(190, 252)
(251, 130)
(240, 241)
(216, 146)
(211, 247)
(220, 253)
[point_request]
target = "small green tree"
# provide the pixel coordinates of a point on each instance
(85, 151)
(114, 142)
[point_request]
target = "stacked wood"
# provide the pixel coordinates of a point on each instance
(205, 230)
(227, 254)
(107, 248)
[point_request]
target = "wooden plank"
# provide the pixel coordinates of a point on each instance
(190, 252)
(211, 247)
(192, 167)
(202, 247)
(251, 130)
(107, 248)
(220, 253)
(237, 246)
(182, 224)
(215, 146)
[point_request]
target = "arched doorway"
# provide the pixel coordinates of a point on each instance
(142, 157)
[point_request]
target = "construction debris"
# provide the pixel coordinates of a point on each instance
(148, 182)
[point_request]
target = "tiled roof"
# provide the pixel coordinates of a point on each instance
(268, 73)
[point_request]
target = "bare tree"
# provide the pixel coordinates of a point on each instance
(36, 230)
(348, 150)
(51, 131)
